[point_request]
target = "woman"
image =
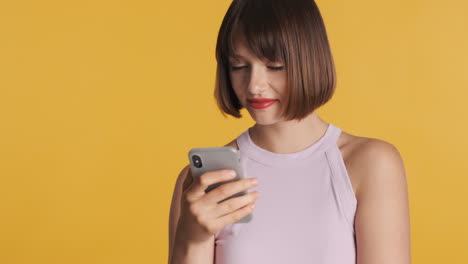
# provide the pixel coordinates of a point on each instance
(326, 196)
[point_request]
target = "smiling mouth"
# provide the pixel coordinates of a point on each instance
(261, 104)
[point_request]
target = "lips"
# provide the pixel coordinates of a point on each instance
(261, 103)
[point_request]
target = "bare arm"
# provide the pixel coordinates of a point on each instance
(382, 217)
(175, 207)
(182, 251)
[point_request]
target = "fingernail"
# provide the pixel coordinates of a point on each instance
(254, 181)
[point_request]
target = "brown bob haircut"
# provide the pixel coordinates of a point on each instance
(290, 31)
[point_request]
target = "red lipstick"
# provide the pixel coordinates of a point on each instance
(261, 103)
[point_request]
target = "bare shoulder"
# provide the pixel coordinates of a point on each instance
(366, 160)
(382, 217)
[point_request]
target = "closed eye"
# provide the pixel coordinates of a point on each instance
(273, 68)
(235, 68)
(277, 68)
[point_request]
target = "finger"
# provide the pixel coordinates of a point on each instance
(229, 189)
(236, 203)
(236, 215)
(200, 184)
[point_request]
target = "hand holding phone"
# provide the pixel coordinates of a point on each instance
(214, 199)
(203, 160)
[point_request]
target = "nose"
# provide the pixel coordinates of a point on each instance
(257, 80)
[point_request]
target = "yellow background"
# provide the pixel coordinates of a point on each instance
(100, 102)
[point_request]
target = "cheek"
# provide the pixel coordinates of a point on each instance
(236, 85)
(235, 81)
(238, 93)
(280, 83)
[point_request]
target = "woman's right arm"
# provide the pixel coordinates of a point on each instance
(195, 216)
(183, 251)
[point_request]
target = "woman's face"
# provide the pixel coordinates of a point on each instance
(253, 78)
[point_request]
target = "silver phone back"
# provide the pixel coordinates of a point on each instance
(218, 158)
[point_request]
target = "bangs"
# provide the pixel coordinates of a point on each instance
(257, 23)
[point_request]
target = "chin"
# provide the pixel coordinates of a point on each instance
(268, 117)
(264, 120)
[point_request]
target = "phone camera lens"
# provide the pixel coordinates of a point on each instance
(197, 161)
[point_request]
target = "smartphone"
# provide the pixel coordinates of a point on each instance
(218, 158)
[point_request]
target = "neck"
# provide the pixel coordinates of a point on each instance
(286, 137)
